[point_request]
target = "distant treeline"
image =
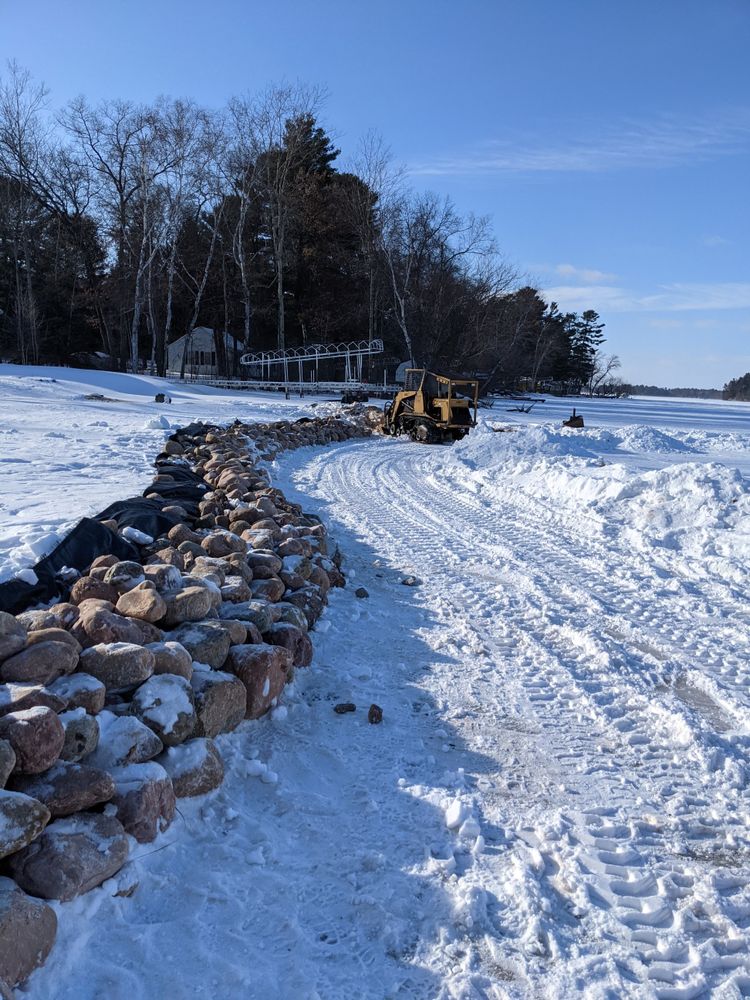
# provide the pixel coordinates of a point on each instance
(656, 390)
(125, 226)
(738, 388)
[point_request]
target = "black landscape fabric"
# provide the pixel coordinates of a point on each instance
(90, 538)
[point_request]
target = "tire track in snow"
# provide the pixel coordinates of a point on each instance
(651, 820)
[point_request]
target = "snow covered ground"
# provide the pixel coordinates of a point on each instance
(556, 803)
(65, 455)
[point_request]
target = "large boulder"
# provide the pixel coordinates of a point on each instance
(123, 739)
(37, 737)
(124, 575)
(22, 819)
(258, 613)
(58, 616)
(264, 561)
(263, 669)
(120, 666)
(195, 767)
(28, 928)
(143, 602)
(53, 635)
(97, 625)
(12, 636)
(164, 576)
(88, 587)
(235, 590)
(171, 658)
(206, 642)
(204, 566)
(271, 589)
(39, 663)
(72, 856)
(81, 691)
(221, 543)
(291, 614)
(144, 800)
(220, 702)
(17, 697)
(188, 605)
(81, 734)
(67, 788)
(292, 638)
(165, 704)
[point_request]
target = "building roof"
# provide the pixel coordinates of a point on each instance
(206, 331)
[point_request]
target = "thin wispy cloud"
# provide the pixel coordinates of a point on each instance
(664, 141)
(583, 273)
(678, 297)
(716, 241)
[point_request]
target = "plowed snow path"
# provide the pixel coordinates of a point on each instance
(598, 702)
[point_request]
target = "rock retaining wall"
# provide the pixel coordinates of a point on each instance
(110, 701)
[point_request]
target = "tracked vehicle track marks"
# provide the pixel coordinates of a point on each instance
(586, 637)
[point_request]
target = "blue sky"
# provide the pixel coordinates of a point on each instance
(610, 142)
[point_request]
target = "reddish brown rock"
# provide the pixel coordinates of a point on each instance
(165, 704)
(81, 735)
(40, 663)
(144, 799)
(170, 556)
(17, 697)
(99, 625)
(182, 533)
(188, 605)
(28, 928)
(89, 587)
(268, 561)
(235, 590)
(104, 561)
(120, 666)
(292, 638)
(220, 702)
(12, 636)
(171, 658)
(142, 603)
(263, 669)
(195, 767)
(123, 739)
(58, 616)
(124, 575)
(67, 788)
(163, 576)
(271, 589)
(148, 631)
(207, 642)
(37, 737)
(221, 543)
(81, 691)
(206, 566)
(22, 819)
(53, 635)
(72, 856)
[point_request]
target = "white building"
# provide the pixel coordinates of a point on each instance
(200, 346)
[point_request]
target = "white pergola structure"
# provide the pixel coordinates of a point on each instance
(353, 355)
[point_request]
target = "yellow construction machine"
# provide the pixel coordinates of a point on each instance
(433, 408)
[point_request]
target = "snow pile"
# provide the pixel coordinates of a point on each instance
(659, 489)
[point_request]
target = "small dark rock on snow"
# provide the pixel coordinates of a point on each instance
(361, 592)
(343, 707)
(375, 715)
(411, 581)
